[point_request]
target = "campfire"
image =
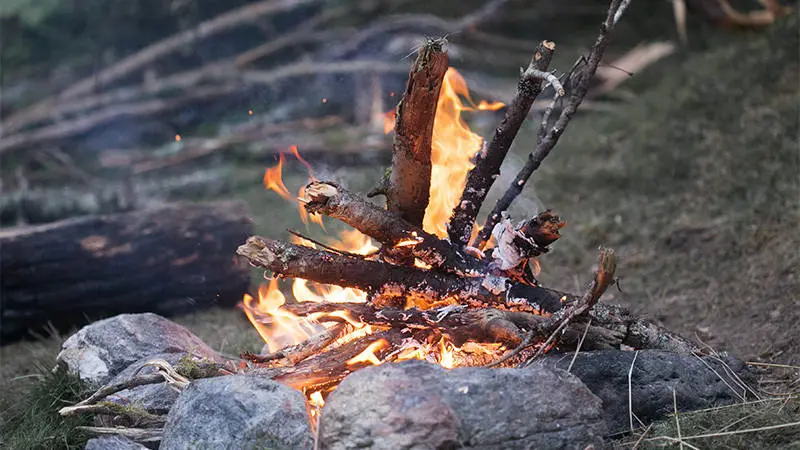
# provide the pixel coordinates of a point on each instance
(416, 278)
(419, 278)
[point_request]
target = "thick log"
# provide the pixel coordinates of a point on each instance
(461, 324)
(168, 260)
(396, 286)
(409, 184)
(489, 160)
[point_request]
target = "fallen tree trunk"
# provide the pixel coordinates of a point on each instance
(168, 260)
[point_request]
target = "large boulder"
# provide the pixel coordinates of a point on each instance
(103, 349)
(417, 405)
(238, 411)
(698, 383)
(113, 443)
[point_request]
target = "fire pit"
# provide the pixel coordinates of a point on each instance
(420, 284)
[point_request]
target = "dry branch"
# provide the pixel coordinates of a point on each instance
(410, 180)
(579, 82)
(80, 125)
(489, 160)
(246, 14)
(327, 369)
(391, 285)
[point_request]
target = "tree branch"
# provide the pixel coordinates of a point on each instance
(389, 229)
(489, 160)
(582, 74)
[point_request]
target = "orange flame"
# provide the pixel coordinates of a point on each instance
(282, 328)
(446, 357)
(454, 146)
(389, 121)
(273, 180)
(368, 355)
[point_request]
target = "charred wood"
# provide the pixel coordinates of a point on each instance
(578, 83)
(489, 160)
(409, 182)
(169, 260)
(397, 286)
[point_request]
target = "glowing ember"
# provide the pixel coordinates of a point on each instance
(177, 138)
(446, 358)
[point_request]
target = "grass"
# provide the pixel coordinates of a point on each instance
(694, 183)
(771, 423)
(31, 421)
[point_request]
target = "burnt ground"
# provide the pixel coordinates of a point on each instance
(693, 179)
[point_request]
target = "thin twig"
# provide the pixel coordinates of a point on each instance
(526, 342)
(639, 441)
(677, 421)
(602, 279)
(729, 433)
(135, 434)
(630, 391)
(121, 386)
(580, 344)
(578, 91)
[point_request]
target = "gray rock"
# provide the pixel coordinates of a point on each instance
(113, 443)
(417, 405)
(238, 412)
(100, 351)
(654, 376)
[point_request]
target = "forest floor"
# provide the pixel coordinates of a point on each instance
(694, 181)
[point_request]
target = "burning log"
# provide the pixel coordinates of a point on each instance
(397, 286)
(488, 161)
(410, 180)
(334, 201)
(169, 260)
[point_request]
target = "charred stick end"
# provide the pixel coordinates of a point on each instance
(488, 162)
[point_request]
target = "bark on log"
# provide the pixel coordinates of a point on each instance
(489, 160)
(167, 260)
(410, 180)
(396, 286)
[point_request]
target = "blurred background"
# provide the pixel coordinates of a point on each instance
(684, 157)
